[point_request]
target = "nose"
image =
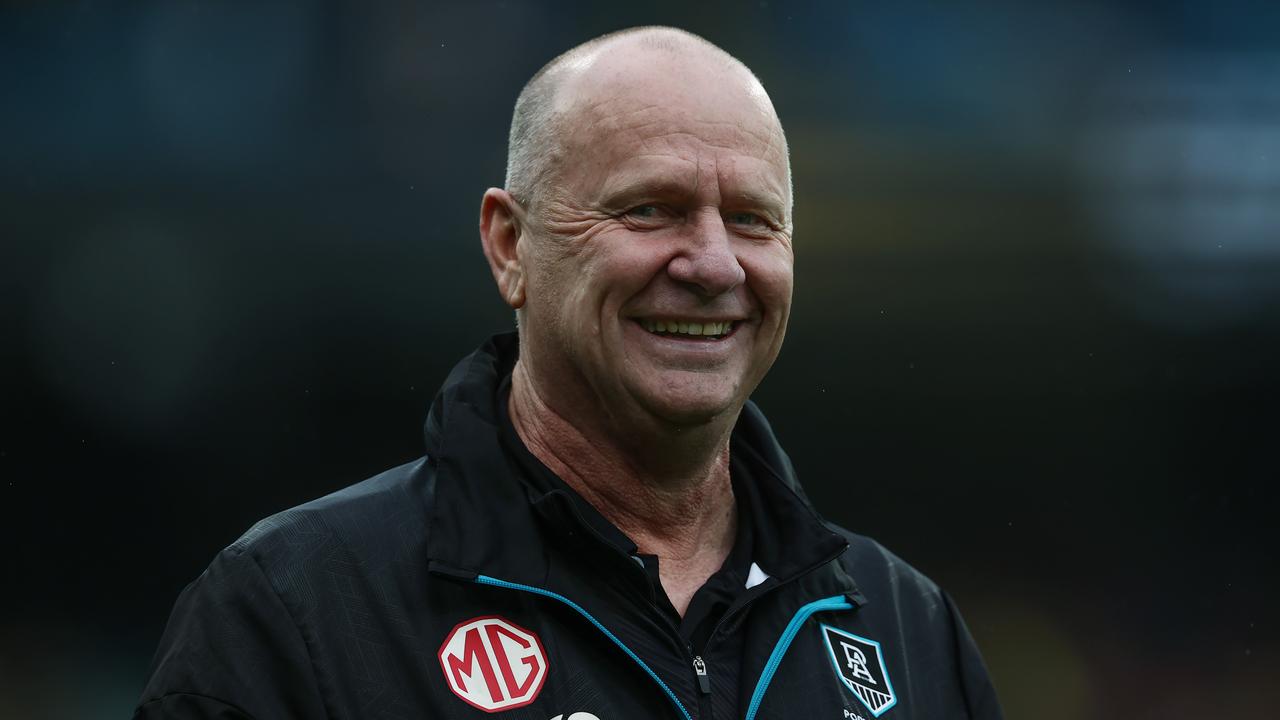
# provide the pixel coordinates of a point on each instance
(706, 261)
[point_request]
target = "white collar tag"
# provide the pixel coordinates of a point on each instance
(755, 576)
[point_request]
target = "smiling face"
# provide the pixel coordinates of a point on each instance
(657, 263)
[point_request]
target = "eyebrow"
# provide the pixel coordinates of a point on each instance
(640, 188)
(634, 189)
(750, 198)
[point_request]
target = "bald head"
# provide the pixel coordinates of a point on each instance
(558, 100)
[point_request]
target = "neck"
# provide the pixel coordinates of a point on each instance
(676, 503)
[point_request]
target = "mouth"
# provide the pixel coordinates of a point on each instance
(689, 329)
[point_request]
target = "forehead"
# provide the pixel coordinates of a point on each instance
(637, 109)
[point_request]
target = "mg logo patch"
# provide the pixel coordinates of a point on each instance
(860, 665)
(493, 664)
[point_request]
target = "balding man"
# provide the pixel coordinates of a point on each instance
(603, 526)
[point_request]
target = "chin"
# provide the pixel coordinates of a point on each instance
(690, 410)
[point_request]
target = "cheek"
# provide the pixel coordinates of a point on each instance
(770, 279)
(561, 275)
(586, 288)
(620, 267)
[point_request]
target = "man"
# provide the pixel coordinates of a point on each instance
(603, 526)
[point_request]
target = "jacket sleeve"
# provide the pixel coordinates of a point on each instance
(980, 694)
(231, 650)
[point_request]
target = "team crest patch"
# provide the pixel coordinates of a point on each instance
(493, 664)
(860, 665)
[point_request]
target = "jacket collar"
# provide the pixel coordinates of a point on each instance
(487, 521)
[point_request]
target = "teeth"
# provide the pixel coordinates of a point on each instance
(695, 329)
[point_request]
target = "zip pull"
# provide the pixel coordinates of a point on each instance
(704, 682)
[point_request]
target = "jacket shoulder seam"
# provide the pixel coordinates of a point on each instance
(181, 693)
(297, 626)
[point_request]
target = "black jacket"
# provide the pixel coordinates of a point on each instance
(446, 588)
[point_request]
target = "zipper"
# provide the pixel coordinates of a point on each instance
(666, 689)
(704, 686)
(837, 602)
(700, 669)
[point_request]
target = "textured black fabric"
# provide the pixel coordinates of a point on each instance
(189, 706)
(229, 648)
(339, 608)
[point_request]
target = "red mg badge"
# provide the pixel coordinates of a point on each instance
(493, 664)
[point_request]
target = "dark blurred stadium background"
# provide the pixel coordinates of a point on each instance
(1034, 346)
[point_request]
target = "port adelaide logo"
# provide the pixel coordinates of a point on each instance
(493, 664)
(860, 665)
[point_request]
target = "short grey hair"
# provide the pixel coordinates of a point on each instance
(534, 146)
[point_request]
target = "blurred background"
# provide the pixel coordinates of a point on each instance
(1034, 345)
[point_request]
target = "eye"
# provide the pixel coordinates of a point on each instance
(748, 219)
(645, 211)
(650, 216)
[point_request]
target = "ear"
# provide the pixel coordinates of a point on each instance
(500, 235)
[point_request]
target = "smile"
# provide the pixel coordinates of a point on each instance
(688, 328)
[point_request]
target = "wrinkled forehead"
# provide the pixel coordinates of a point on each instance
(615, 106)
